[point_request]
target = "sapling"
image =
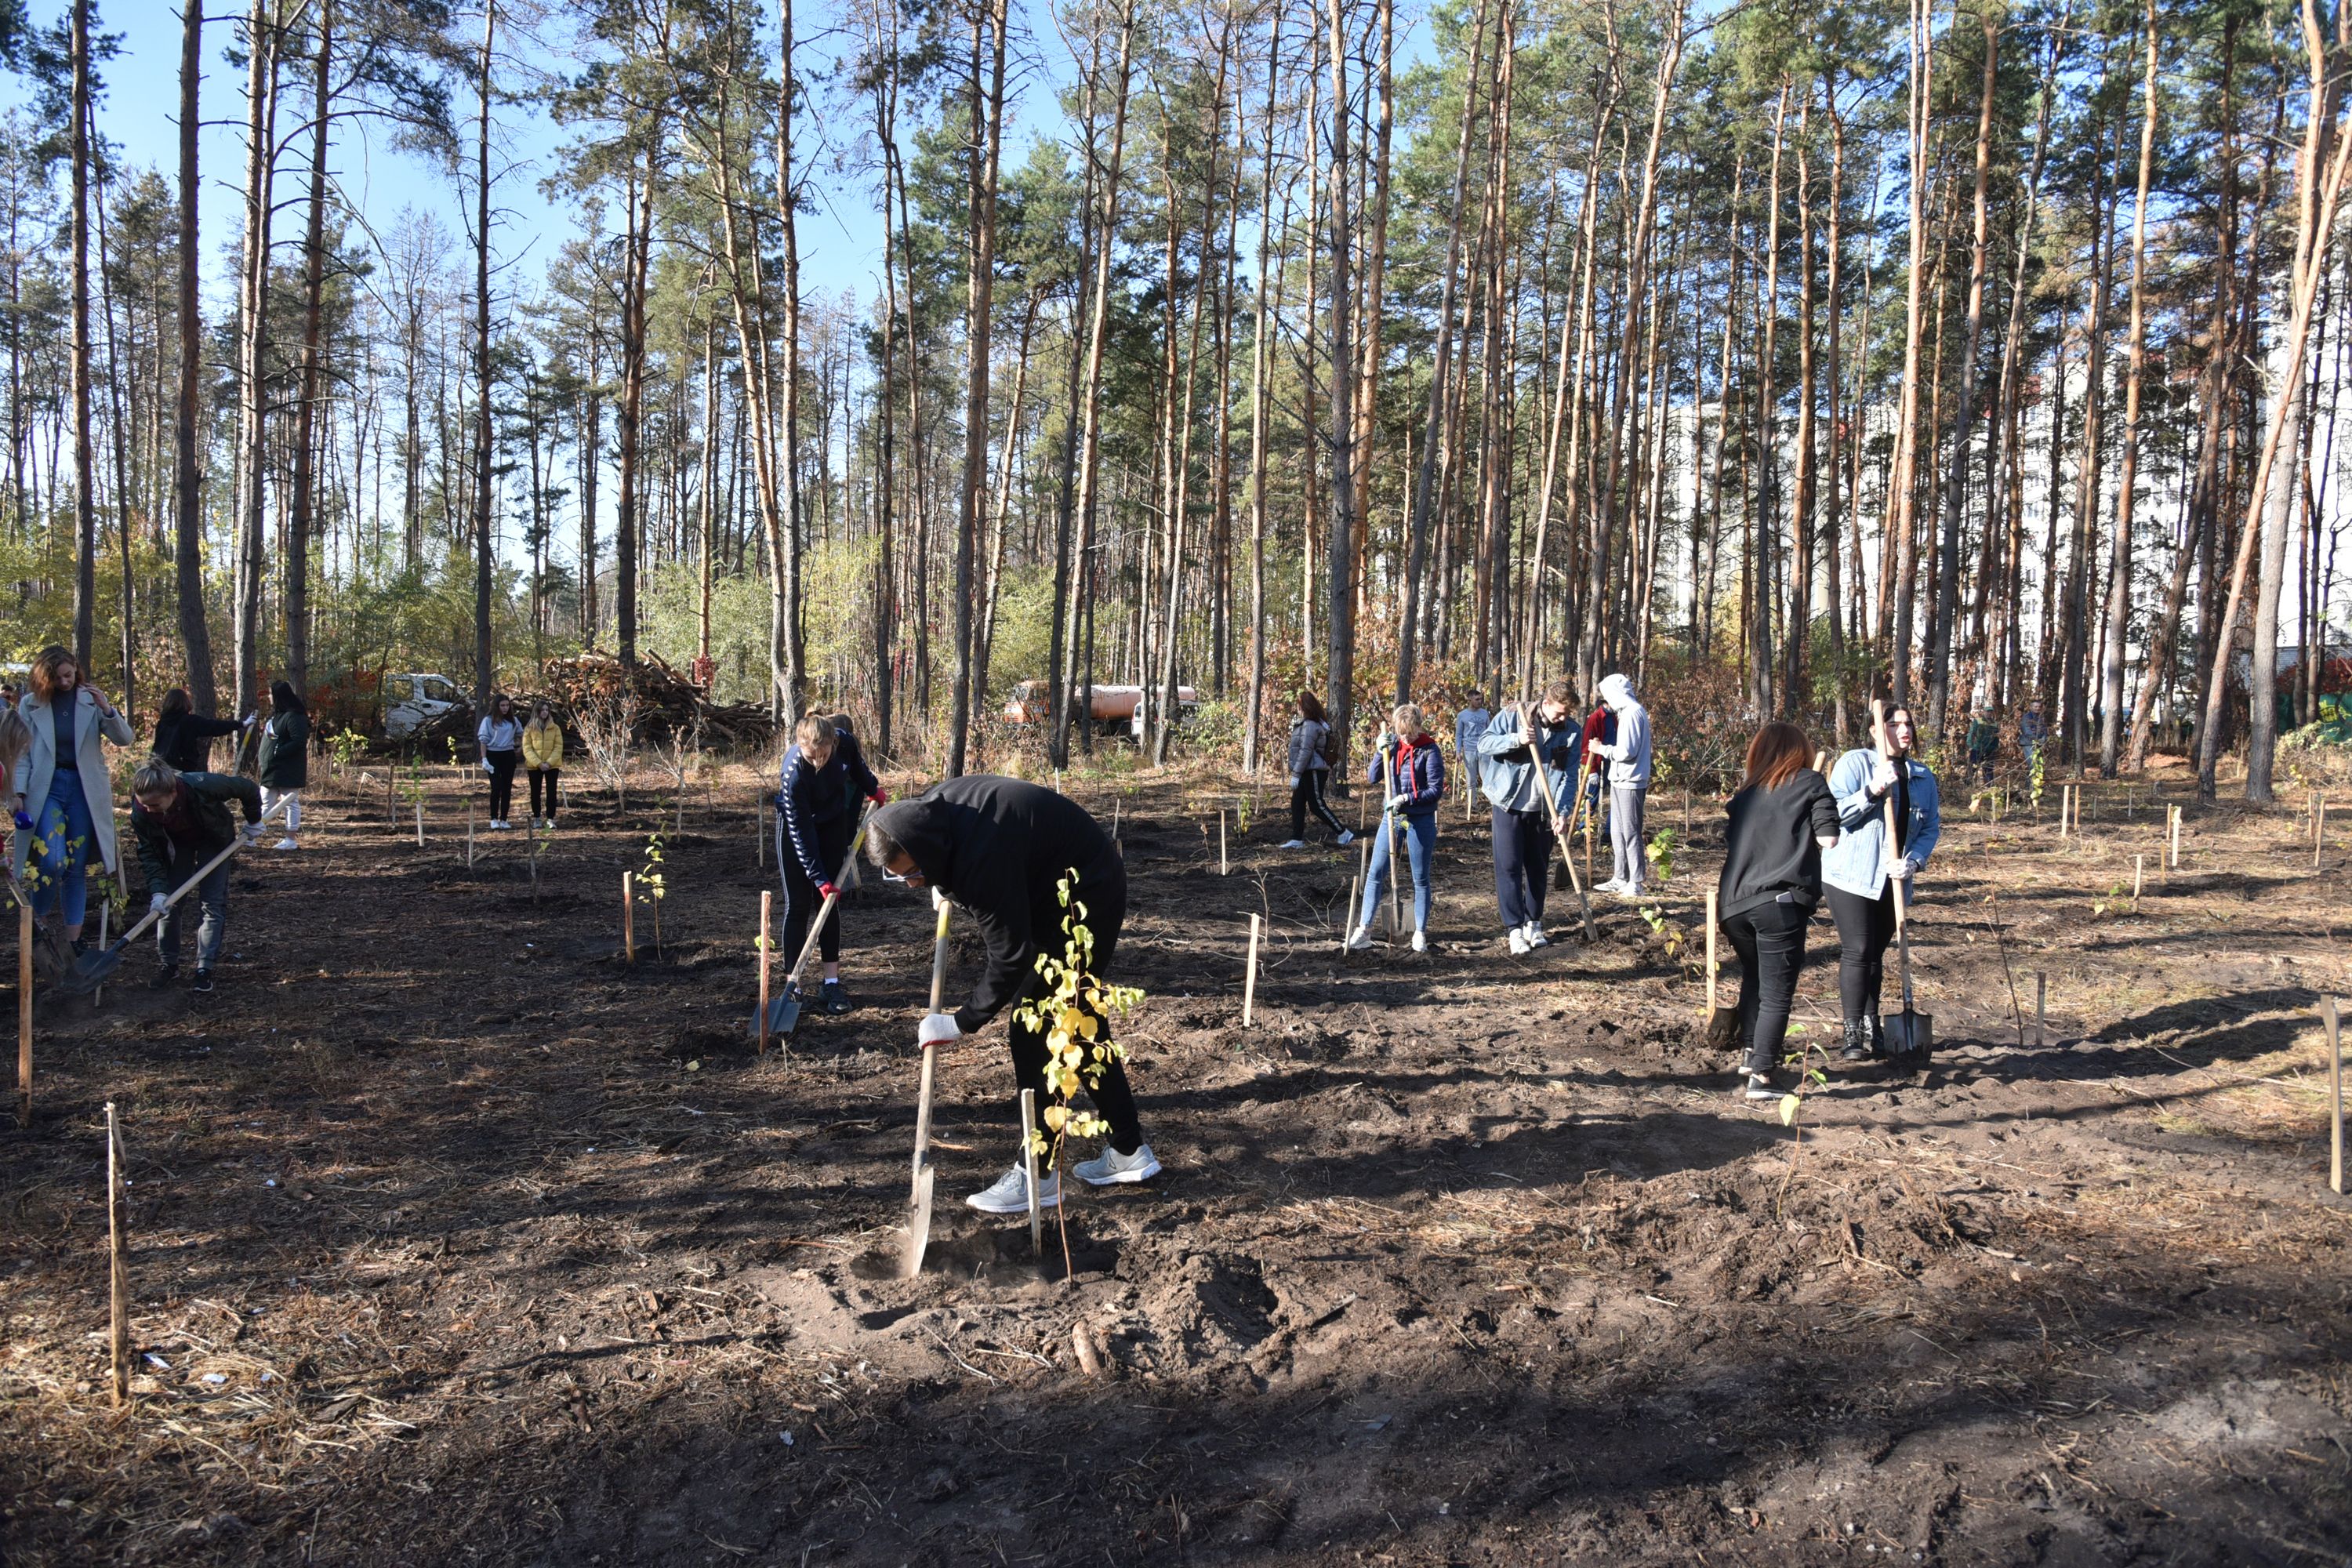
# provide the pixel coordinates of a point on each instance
(1071, 1016)
(1809, 1076)
(649, 882)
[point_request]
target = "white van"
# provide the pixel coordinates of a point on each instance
(413, 701)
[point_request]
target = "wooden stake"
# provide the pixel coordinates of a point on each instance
(1710, 952)
(1057, 781)
(767, 924)
(105, 909)
(2175, 838)
(1029, 1163)
(2140, 871)
(2319, 831)
(1225, 866)
(469, 835)
(24, 1015)
(1249, 980)
(2065, 801)
(760, 836)
(629, 915)
(420, 825)
(2040, 1009)
(117, 1265)
(2335, 1096)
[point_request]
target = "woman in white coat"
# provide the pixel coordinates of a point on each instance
(65, 797)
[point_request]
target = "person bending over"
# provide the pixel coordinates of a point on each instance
(1861, 871)
(1778, 825)
(999, 849)
(181, 821)
(823, 777)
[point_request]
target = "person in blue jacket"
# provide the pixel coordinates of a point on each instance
(1406, 762)
(1858, 874)
(823, 778)
(1529, 812)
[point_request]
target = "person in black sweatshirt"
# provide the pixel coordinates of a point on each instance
(184, 738)
(999, 849)
(1780, 821)
(823, 779)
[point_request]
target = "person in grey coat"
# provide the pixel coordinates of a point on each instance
(1629, 785)
(1310, 771)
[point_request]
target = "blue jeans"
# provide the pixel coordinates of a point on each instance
(63, 837)
(1420, 844)
(211, 898)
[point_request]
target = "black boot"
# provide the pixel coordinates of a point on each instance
(1857, 1041)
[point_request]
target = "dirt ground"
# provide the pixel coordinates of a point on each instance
(455, 1239)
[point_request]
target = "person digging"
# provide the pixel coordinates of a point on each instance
(180, 821)
(998, 848)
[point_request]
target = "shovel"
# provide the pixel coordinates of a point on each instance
(784, 1008)
(90, 969)
(918, 1201)
(1566, 836)
(1910, 1033)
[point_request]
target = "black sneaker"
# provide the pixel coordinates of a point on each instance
(167, 976)
(1758, 1086)
(1857, 1042)
(834, 1000)
(202, 983)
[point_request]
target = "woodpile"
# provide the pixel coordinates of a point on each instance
(667, 701)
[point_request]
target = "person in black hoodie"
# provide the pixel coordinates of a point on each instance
(184, 738)
(823, 779)
(286, 758)
(1780, 821)
(998, 848)
(181, 821)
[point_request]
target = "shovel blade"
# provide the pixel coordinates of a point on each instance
(1910, 1035)
(783, 1011)
(919, 1227)
(90, 971)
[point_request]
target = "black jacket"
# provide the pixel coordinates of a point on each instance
(199, 824)
(1771, 848)
(997, 848)
(813, 799)
(286, 750)
(185, 739)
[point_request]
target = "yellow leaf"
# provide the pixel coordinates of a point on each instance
(1788, 1103)
(1055, 1115)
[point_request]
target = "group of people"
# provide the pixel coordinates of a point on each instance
(1538, 765)
(52, 751)
(506, 743)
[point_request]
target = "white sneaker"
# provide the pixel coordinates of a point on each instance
(1346, 838)
(1010, 1193)
(1534, 933)
(1518, 940)
(1612, 886)
(1360, 939)
(1293, 844)
(288, 843)
(1115, 1169)
(1420, 941)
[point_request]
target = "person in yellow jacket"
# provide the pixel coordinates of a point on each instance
(542, 757)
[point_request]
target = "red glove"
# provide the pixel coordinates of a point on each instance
(826, 890)
(881, 795)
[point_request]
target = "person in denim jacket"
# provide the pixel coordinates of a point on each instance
(1858, 874)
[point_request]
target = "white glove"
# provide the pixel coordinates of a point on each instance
(486, 766)
(1294, 780)
(1398, 802)
(157, 903)
(938, 1029)
(1882, 776)
(1906, 867)
(1384, 740)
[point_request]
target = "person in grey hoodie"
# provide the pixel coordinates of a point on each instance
(1530, 813)
(1629, 785)
(1469, 729)
(501, 734)
(1310, 771)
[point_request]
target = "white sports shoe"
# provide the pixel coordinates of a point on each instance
(1010, 1193)
(1294, 844)
(1518, 940)
(1360, 939)
(1114, 1168)
(1534, 933)
(288, 843)
(1612, 886)
(1346, 837)
(1421, 941)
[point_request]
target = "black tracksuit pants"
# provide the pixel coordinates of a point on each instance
(1106, 901)
(1865, 926)
(1523, 844)
(802, 900)
(1308, 795)
(1770, 942)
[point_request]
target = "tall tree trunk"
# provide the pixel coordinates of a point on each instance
(1340, 613)
(261, 103)
(2111, 686)
(485, 531)
(987, 137)
(1942, 626)
(787, 658)
(1903, 523)
(1268, 312)
(187, 478)
(302, 507)
(85, 495)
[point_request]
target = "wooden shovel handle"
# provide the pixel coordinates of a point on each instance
(237, 842)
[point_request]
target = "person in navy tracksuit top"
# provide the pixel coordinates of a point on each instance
(1406, 762)
(823, 778)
